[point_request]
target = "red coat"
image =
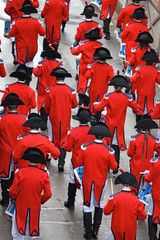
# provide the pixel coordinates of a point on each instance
(126, 208)
(116, 103)
(123, 17)
(76, 137)
(25, 93)
(154, 177)
(106, 5)
(84, 27)
(141, 151)
(10, 129)
(42, 71)
(87, 49)
(66, 11)
(2, 69)
(146, 78)
(156, 111)
(130, 34)
(13, 5)
(30, 188)
(54, 11)
(100, 75)
(31, 139)
(60, 99)
(26, 30)
(96, 158)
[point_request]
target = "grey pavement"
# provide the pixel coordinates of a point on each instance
(57, 222)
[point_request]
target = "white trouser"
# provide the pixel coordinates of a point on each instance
(110, 235)
(150, 207)
(71, 174)
(49, 126)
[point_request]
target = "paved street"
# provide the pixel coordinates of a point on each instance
(57, 222)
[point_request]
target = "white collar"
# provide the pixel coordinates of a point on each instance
(34, 131)
(98, 141)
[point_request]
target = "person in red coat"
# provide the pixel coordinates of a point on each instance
(30, 188)
(116, 103)
(154, 207)
(2, 69)
(76, 137)
(145, 80)
(60, 99)
(96, 157)
(108, 7)
(86, 25)
(25, 93)
(142, 147)
(99, 75)
(34, 138)
(132, 29)
(126, 208)
(26, 30)
(10, 129)
(42, 71)
(65, 18)
(54, 12)
(86, 48)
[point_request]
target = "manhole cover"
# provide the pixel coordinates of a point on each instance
(51, 215)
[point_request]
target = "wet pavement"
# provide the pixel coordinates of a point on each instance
(57, 222)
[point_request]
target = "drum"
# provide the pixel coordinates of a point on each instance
(79, 174)
(144, 192)
(128, 72)
(11, 208)
(97, 5)
(7, 27)
(122, 53)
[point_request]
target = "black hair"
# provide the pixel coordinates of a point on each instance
(12, 107)
(99, 137)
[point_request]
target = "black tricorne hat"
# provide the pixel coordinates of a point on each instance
(21, 73)
(150, 56)
(35, 122)
(89, 11)
(100, 129)
(102, 53)
(60, 72)
(27, 8)
(119, 80)
(50, 52)
(146, 124)
(127, 178)
(34, 155)
(144, 37)
(12, 99)
(83, 115)
(93, 33)
(139, 13)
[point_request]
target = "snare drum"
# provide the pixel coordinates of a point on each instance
(144, 192)
(97, 5)
(7, 27)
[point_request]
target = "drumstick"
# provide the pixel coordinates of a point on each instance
(111, 186)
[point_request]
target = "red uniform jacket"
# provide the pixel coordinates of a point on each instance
(123, 17)
(126, 208)
(10, 129)
(33, 139)
(156, 111)
(154, 177)
(146, 78)
(84, 27)
(25, 93)
(108, 7)
(27, 188)
(116, 103)
(100, 75)
(42, 71)
(87, 49)
(2, 69)
(130, 34)
(76, 137)
(66, 11)
(13, 6)
(60, 99)
(54, 11)
(141, 151)
(96, 158)
(26, 30)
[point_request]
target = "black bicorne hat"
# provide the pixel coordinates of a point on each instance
(27, 8)
(127, 178)
(35, 122)
(50, 52)
(139, 13)
(144, 37)
(12, 99)
(119, 80)
(83, 115)
(21, 73)
(100, 129)
(89, 11)
(145, 124)
(93, 33)
(60, 72)
(34, 155)
(102, 53)
(150, 56)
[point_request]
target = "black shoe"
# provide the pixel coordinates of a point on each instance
(115, 171)
(4, 203)
(107, 37)
(86, 236)
(60, 168)
(69, 206)
(15, 62)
